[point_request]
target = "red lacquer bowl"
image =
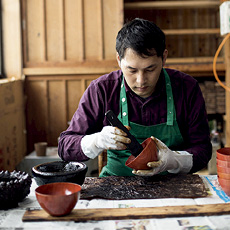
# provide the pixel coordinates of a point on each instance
(58, 199)
(222, 169)
(223, 154)
(148, 154)
(221, 163)
(224, 175)
(225, 185)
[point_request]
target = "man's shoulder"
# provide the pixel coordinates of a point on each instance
(108, 78)
(176, 75)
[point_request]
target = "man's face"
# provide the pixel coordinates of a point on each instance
(141, 73)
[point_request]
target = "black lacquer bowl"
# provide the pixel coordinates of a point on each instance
(59, 171)
(14, 187)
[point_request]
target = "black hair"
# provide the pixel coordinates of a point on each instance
(141, 35)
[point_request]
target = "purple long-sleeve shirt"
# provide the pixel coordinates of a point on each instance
(103, 94)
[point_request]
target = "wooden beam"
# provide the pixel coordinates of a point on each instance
(66, 70)
(200, 64)
(192, 31)
(193, 60)
(171, 4)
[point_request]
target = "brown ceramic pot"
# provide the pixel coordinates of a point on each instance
(40, 148)
(58, 199)
(223, 154)
(148, 154)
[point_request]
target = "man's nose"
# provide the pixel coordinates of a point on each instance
(140, 78)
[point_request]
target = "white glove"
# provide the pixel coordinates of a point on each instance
(109, 138)
(168, 160)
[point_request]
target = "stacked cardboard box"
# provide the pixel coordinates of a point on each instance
(214, 96)
(220, 98)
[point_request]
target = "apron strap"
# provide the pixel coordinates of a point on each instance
(123, 114)
(170, 101)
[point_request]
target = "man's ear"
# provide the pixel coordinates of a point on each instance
(165, 55)
(118, 59)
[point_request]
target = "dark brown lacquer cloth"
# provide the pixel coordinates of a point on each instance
(136, 187)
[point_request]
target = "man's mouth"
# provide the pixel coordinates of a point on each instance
(142, 88)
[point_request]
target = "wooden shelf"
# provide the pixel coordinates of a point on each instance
(171, 4)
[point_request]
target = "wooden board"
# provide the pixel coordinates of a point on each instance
(81, 215)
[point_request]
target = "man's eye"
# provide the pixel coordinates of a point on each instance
(149, 70)
(132, 71)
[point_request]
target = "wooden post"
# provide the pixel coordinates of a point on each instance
(11, 39)
(227, 82)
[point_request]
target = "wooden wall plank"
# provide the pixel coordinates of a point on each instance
(36, 112)
(55, 30)
(112, 21)
(74, 42)
(36, 49)
(57, 110)
(93, 30)
(74, 95)
(87, 82)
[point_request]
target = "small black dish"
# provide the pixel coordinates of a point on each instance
(60, 171)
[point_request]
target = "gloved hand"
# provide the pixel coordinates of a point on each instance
(168, 160)
(109, 138)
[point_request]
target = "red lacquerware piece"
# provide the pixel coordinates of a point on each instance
(58, 199)
(221, 163)
(148, 154)
(223, 154)
(225, 185)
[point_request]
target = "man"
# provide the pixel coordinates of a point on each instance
(164, 104)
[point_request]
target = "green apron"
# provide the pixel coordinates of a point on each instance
(168, 133)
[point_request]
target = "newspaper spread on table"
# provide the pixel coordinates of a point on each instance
(12, 219)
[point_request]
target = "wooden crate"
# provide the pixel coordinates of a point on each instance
(12, 123)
